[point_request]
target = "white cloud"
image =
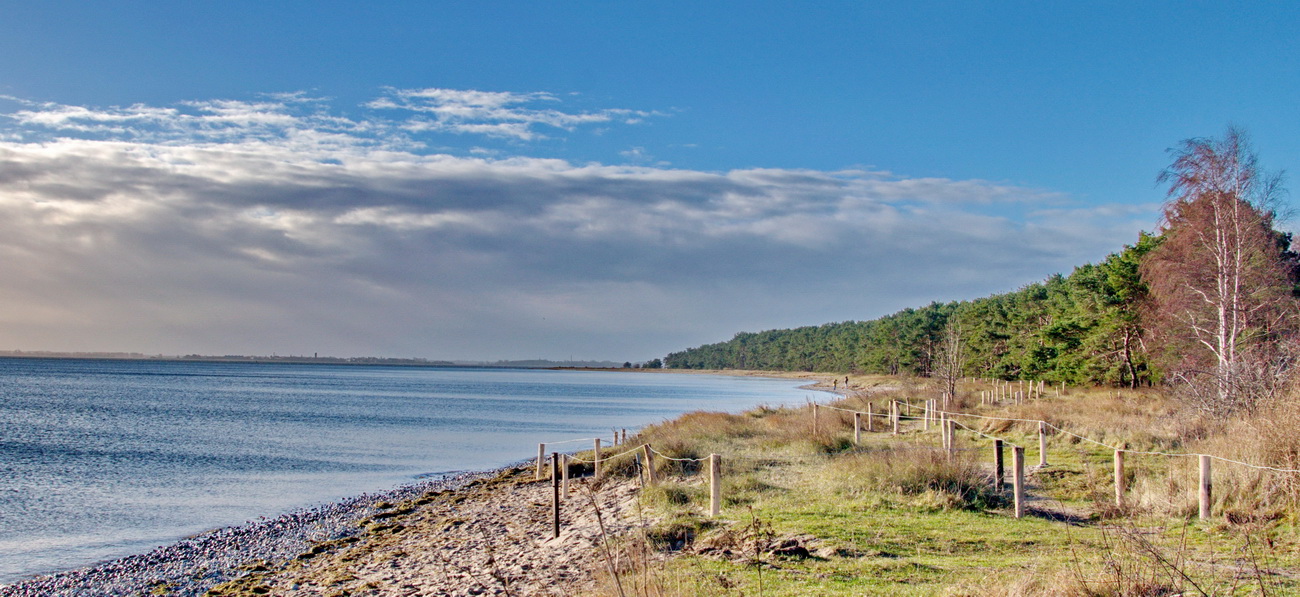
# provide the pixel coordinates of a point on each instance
(278, 229)
(495, 114)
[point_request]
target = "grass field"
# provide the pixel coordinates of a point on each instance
(808, 512)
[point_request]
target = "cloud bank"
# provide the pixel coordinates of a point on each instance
(280, 226)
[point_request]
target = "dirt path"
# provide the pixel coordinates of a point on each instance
(492, 538)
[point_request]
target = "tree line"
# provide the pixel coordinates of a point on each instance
(1073, 329)
(1209, 302)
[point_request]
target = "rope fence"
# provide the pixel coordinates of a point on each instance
(948, 423)
(1059, 429)
(930, 414)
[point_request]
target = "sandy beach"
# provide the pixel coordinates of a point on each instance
(485, 533)
(493, 537)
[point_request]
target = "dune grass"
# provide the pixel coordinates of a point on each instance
(807, 512)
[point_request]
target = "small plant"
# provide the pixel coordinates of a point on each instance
(605, 547)
(1149, 561)
(759, 536)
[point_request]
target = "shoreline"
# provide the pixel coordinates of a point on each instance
(478, 533)
(192, 565)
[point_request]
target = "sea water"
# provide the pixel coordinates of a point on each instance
(102, 458)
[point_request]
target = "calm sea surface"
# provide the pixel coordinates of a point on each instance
(100, 459)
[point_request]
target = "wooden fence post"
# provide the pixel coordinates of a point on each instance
(894, 411)
(564, 475)
(1018, 478)
(555, 494)
(595, 461)
(999, 468)
(871, 417)
(715, 485)
(651, 476)
(1119, 479)
(815, 429)
(857, 429)
(541, 461)
(1042, 443)
(1206, 487)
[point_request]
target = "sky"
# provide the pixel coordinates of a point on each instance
(517, 180)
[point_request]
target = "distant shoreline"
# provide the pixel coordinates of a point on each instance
(294, 360)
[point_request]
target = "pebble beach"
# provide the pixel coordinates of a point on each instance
(470, 534)
(194, 565)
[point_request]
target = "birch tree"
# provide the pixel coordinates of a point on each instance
(951, 357)
(1222, 279)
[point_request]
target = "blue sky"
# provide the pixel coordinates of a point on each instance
(602, 180)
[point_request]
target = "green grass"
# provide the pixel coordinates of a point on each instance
(875, 526)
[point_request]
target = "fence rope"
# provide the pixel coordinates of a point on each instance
(1105, 445)
(883, 415)
(839, 409)
(570, 441)
(667, 457)
(603, 458)
(725, 458)
(978, 432)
